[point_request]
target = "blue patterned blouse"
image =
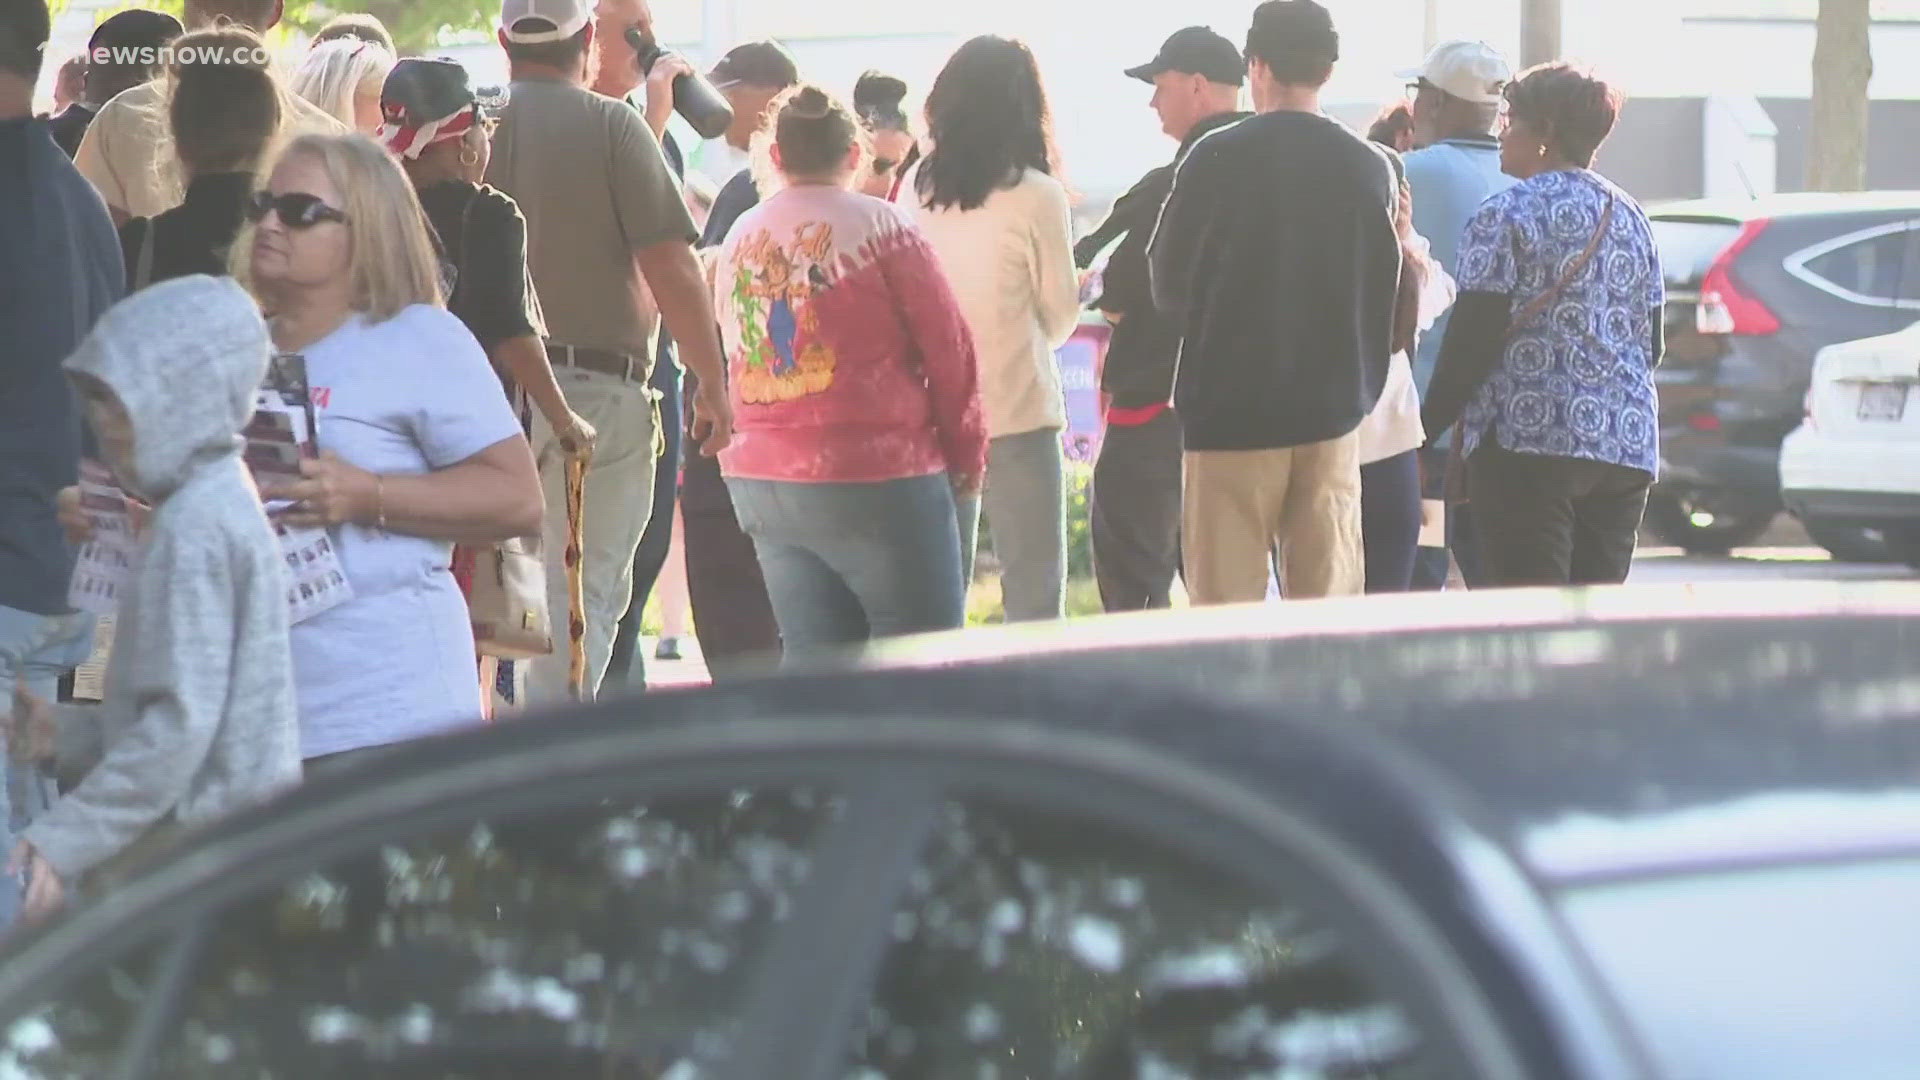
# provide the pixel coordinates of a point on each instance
(1577, 378)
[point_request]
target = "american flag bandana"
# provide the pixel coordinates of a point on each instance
(411, 142)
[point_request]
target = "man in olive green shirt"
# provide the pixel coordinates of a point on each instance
(610, 246)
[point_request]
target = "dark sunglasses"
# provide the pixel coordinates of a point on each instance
(883, 166)
(296, 209)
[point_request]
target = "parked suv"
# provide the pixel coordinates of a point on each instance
(1756, 288)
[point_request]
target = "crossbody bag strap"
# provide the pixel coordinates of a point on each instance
(143, 265)
(466, 243)
(514, 391)
(1455, 484)
(1545, 300)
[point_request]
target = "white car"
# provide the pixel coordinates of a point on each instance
(1855, 460)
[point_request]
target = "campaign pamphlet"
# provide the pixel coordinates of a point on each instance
(282, 433)
(105, 564)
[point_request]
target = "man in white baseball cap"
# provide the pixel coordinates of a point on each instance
(1456, 103)
(543, 22)
(1469, 71)
(610, 247)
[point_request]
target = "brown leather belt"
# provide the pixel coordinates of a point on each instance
(605, 361)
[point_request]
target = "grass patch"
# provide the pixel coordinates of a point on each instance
(984, 606)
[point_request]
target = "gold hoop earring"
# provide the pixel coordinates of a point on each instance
(470, 158)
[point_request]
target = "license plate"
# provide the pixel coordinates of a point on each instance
(1883, 403)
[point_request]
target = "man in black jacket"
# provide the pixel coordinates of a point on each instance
(1196, 82)
(1277, 256)
(60, 269)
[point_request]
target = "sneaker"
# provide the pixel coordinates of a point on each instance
(669, 649)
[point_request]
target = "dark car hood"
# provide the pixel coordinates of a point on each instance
(1598, 733)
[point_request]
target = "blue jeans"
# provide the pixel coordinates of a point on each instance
(1026, 508)
(847, 563)
(36, 650)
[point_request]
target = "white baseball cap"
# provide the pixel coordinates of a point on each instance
(1469, 70)
(552, 20)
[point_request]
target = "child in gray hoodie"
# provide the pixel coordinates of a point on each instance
(199, 715)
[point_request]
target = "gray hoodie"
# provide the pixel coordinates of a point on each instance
(199, 714)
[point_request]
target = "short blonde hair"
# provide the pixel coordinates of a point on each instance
(333, 72)
(390, 249)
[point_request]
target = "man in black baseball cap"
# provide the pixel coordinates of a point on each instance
(120, 56)
(1136, 482)
(751, 75)
(1198, 74)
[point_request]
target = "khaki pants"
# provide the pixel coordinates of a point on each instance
(1243, 506)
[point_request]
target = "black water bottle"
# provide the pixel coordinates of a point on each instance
(694, 98)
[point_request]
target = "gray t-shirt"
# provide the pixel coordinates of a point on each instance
(595, 188)
(406, 396)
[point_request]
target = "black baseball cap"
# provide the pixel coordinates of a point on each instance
(135, 29)
(757, 63)
(1197, 50)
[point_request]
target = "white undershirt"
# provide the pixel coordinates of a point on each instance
(1393, 427)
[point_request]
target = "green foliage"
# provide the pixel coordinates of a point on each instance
(171, 7)
(416, 25)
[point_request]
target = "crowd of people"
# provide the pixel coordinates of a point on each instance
(519, 317)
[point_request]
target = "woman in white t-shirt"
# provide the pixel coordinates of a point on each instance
(1391, 435)
(1002, 228)
(419, 448)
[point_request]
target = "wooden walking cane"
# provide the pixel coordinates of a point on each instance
(576, 583)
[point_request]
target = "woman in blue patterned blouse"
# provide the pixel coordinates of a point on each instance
(1548, 362)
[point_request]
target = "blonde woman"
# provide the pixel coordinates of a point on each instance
(343, 78)
(419, 448)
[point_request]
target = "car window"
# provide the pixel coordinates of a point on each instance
(1818, 976)
(1035, 945)
(1872, 268)
(619, 940)
(608, 940)
(1688, 248)
(1910, 273)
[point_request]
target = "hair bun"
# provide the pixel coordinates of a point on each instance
(811, 103)
(876, 91)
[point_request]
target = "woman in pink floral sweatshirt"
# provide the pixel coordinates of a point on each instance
(855, 392)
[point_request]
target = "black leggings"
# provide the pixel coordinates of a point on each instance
(1390, 521)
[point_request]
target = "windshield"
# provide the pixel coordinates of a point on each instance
(1688, 248)
(1772, 974)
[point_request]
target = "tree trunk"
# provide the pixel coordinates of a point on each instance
(1842, 65)
(1539, 32)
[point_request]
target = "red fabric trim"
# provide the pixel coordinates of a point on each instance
(1145, 414)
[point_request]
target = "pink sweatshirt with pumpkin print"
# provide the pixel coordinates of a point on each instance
(848, 358)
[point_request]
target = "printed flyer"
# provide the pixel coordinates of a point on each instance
(280, 435)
